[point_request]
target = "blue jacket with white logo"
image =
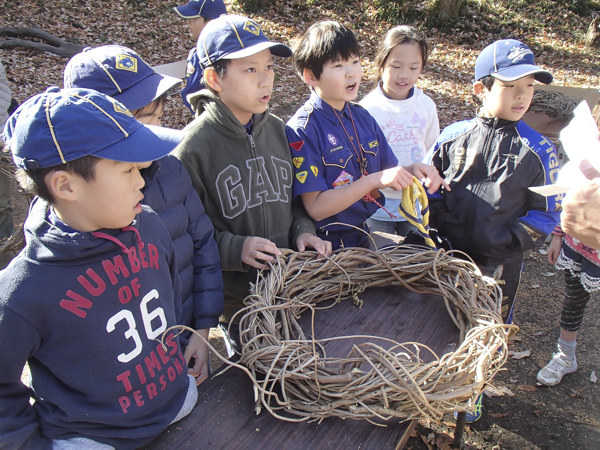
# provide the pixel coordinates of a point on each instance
(193, 78)
(170, 193)
(490, 213)
(324, 146)
(87, 312)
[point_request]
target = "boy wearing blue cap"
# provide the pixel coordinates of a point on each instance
(490, 162)
(340, 154)
(236, 154)
(168, 189)
(197, 13)
(89, 298)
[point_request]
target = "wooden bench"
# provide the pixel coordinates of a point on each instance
(225, 416)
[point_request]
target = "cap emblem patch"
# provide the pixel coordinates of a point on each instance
(518, 53)
(126, 62)
(251, 27)
(120, 108)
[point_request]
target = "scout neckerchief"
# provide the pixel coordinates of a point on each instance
(408, 208)
(362, 161)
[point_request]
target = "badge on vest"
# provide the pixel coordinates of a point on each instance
(344, 179)
(301, 176)
(298, 162)
(297, 145)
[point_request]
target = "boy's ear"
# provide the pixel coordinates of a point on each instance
(309, 77)
(479, 90)
(62, 185)
(213, 79)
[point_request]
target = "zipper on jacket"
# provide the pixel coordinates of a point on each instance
(485, 153)
(263, 203)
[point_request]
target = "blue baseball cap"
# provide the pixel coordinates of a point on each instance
(118, 72)
(210, 9)
(59, 126)
(234, 37)
(509, 60)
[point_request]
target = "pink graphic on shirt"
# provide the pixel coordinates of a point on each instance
(342, 180)
(406, 137)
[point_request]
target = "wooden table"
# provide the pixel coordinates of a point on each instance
(224, 417)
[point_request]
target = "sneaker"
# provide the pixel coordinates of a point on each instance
(476, 414)
(556, 369)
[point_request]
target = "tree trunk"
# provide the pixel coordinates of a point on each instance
(448, 8)
(592, 37)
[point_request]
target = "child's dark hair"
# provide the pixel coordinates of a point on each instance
(488, 82)
(402, 34)
(33, 181)
(323, 42)
(151, 107)
(220, 67)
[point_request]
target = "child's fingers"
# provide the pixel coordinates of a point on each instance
(588, 170)
(323, 248)
(265, 245)
(203, 375)
(405, 179)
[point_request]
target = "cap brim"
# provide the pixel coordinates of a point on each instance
(186, 12)
(276, 48)
(147, 143)
(524, 70)
(146, 91)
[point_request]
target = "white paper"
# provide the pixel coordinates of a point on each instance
(580, 141)
(175, 69)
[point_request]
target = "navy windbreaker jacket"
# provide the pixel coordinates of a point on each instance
(490, 213)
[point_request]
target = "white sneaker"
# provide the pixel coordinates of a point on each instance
(556, 369)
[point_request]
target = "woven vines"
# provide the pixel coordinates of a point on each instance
(555, 105)
(380, 378)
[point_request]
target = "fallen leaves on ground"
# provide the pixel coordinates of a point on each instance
(527, 388)
(519, 355)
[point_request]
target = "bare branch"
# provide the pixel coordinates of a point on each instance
(54, 44)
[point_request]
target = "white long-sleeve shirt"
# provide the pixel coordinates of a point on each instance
(410, 126)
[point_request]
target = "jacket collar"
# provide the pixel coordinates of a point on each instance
(495, 122)
(205, 102)
(326, 109)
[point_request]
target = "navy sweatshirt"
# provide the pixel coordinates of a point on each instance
(87, 311)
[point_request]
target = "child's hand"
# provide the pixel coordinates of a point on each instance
(396, 178)
(310, 240)
(257, 248)
(198, 350)
(429, 176)
(554, 249)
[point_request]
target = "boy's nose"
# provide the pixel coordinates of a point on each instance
(139, 182)
(264, 80)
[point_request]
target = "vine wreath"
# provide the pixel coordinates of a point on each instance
(294, 378)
